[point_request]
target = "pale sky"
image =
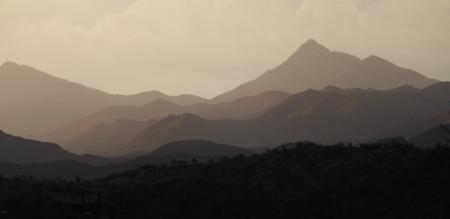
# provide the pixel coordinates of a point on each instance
(206, 47)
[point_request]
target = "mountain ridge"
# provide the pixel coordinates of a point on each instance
(313, 65)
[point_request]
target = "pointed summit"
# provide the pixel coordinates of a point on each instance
(309, 50)
(376, 60)
(312, 46)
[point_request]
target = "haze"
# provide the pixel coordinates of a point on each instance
(206, 47)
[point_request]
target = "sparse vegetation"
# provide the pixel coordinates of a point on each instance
(301, 180)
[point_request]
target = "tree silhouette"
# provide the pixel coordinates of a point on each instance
(446, 129)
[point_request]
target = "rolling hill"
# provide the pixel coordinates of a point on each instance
(434, 136)
(199, 148)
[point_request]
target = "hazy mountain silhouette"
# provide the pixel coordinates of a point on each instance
(155, 110)
(326, 116)
(314, 66)
(179, 128)
(242, 108)
(87, 136)
(199, 148)
(34, 102)
(101, 138)
(432, 137)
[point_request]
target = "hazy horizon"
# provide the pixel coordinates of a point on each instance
(208, 47)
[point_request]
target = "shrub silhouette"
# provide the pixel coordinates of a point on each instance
(300, 180)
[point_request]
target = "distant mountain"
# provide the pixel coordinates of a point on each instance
(199, 148)
(432, 137)
(179, 128)
(154, 110)
(34, 102)
(314, 66)
(242, 108)
(101, 138)
(99, 131)
(326, 116)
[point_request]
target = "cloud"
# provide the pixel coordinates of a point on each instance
(208, 46)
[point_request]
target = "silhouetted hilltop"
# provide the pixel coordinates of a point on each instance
(199, 148)
(433, 137)
(314, 66)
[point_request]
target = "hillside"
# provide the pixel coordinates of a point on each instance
(438, 135)
(30, 97)
(199, 148)
(313, 66)
(295, 180)
(101, 138)
(327, 116)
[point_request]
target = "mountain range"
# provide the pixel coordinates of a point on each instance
(20, 156)
(34, 102)
(316, 94)
(329, 115)
(91, 133)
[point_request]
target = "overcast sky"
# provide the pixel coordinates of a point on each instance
(206, 47)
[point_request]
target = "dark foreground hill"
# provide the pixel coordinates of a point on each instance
(292, 181)
(18, 150)
(433, 136)
(199, 148)
(90, 166)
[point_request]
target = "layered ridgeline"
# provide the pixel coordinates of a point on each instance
(325, 116)
(102, 130)
(33, 102)
(314, 66)
(20, 156)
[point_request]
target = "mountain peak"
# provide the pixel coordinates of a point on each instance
(9, 64)
(376, 60)
(310, 49)
(313, 46)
